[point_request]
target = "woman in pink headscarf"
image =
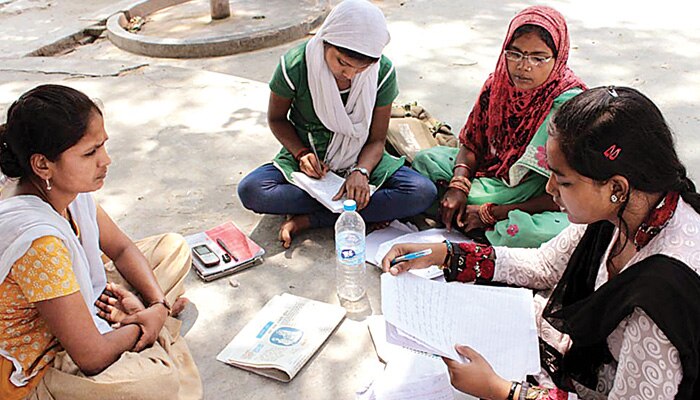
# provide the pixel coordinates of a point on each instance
(495, 181)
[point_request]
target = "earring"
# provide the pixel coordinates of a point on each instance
(614, 198)
(48, 184)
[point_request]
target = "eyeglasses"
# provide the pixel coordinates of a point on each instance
(516, 56)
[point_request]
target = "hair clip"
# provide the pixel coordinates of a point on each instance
(612, 152)
(612, 92)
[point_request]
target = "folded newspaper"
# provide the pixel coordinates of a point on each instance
(282, 336)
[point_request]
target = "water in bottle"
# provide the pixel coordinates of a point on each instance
(350, 253)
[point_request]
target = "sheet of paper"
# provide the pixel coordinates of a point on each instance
(408, 374)
(375, 239)
(323, 189)
(497, 322)
(426, 236)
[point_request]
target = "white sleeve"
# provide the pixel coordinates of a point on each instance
(539, 268)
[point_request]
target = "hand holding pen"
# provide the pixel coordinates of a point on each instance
(405, 256)
(311, 164)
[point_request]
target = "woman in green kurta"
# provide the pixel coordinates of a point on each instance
(330, 105)
(495, 181)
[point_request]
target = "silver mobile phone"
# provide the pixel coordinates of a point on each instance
(205, 255)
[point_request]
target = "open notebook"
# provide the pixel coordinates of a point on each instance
(324, 189)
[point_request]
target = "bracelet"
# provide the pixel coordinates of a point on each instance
(164, 302)
(486, 214)
(524, 387)
(460, 183)
(511, 393)
(460, 165)
(471, 262)
(450, 250)
(301, 153)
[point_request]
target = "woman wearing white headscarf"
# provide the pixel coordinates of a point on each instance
(334, 93)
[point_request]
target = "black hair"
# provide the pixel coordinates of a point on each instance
(610, 131)
(540, 31)
(46, 120)
(363, 58)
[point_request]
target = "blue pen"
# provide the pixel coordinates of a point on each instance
(411, 256)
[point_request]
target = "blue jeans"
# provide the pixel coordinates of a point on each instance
(404, 194)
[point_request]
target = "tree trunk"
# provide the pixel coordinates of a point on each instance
(220, 9)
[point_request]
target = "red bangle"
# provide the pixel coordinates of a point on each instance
(301, 153)
(486, 214)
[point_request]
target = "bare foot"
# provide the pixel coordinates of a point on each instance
(178, 306)
(293, 225)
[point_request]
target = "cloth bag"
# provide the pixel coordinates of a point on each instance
(412, 129)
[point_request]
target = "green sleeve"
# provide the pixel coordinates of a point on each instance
(282, 83)
(389, 86)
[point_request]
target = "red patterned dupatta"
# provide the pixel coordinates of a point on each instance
(504, 118)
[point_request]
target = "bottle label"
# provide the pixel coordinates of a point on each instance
(350, 256)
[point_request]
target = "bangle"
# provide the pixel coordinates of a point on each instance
(164, 302)
(448, 255)
(486, 214)
(524, 387)
(511, 393)
(301, 153)
(460, 183)
(465, 166)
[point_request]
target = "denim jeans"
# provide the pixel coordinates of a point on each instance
(404, 194)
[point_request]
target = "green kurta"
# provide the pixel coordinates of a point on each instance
(520, 229)
(290, 81)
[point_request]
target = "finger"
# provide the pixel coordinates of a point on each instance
(447, 214)
(350, 192)
(340, 193)
(285, 238)
(367, 196)
(361, 195)
(461, 217)
(316, 165)
(469, 353)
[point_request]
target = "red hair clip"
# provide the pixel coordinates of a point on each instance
(612, 152)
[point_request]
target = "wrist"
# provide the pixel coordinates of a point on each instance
(501, 389)
(163, 304)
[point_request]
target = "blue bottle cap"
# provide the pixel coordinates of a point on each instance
(349, 205)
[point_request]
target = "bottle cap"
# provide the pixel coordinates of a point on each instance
(349, 205)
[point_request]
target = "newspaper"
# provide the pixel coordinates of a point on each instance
(282, 336)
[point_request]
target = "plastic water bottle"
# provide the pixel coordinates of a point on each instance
(350, 253)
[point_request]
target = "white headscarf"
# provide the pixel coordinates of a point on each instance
(360, 26)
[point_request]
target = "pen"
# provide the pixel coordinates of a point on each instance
(411, 256)
(223, 246)
(313, 148)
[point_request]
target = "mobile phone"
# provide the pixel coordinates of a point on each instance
(205, 255)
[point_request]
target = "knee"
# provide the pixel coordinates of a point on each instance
(425, 192)
(176, 245)
(249, 192)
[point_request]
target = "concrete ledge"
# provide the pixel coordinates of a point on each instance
(202, 47)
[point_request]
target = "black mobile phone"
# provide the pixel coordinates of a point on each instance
(205, 255)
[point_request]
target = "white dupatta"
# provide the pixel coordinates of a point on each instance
(360, 26)
(27, 218)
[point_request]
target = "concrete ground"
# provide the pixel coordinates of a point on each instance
(185, 132)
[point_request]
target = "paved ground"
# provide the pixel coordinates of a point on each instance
(184, 132)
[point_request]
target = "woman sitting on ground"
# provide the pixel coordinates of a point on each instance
(497, 177)
(331, 97)
(55, 294)
(618, 311)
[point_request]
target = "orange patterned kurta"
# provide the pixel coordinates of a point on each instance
(44, 272)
